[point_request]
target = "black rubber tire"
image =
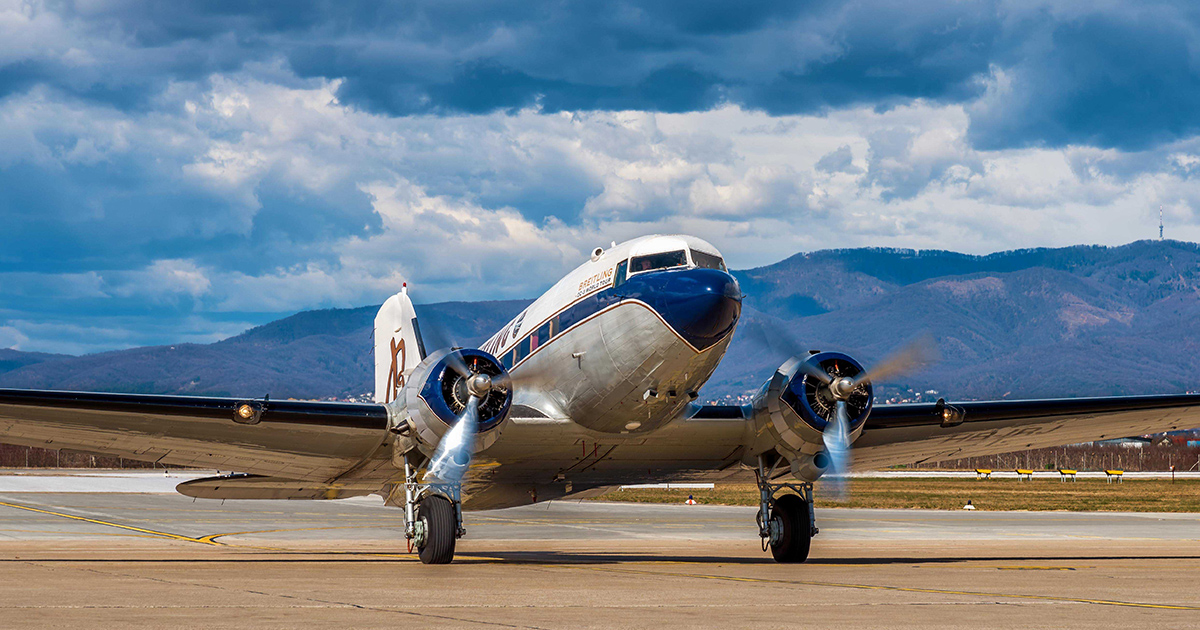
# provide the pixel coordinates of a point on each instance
(796, 535)
(440, 524)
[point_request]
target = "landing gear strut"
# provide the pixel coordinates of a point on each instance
(433, 520)
(786, 523)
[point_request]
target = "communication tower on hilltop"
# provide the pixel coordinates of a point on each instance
(1160, 223)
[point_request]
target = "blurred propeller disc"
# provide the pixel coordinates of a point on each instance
(815, 371)
(837, 446)
(435, 334)
(836, 436)
(453, 455)
(911, 357)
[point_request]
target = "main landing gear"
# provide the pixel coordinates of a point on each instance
(433, 520)
(786, 523)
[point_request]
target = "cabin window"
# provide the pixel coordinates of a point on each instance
(541, 336)
(651, 262)
(522, 350)
(707, 261)
(506, 360)
(619, 276)
(554, 329)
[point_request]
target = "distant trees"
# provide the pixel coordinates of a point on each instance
(1149, 457)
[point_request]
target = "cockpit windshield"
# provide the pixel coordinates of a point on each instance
(707, 261)
(664, 260)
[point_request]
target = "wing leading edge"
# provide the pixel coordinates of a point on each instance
(310, 441)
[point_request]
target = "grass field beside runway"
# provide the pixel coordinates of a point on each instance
(1084, 495)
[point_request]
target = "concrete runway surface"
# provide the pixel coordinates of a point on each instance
(89, 559)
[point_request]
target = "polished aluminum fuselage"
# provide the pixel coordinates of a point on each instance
(625, 361)
(605, 401)
(623, 371)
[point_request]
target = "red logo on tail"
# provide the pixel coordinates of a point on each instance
(396, 375)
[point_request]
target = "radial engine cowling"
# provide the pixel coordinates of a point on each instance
(436, 395)
(801, 409)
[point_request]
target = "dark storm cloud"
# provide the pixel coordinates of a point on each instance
(1126, 79)
(126, 212)
(1120, 76)
(782, 57)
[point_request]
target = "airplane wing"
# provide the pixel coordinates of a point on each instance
(345, 446)
(309, 441)
(915, 433)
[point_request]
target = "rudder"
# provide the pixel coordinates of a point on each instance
(398, 346)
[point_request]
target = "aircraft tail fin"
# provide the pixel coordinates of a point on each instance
(398, 346)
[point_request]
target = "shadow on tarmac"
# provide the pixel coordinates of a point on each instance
(548, 557)
(566, 558)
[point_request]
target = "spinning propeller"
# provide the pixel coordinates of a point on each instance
(468, 392)
(835, 385)
(467, 385)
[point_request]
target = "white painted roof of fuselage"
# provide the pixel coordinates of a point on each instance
(658, 243)
(566, 290)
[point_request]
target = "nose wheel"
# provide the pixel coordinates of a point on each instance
(786, 523)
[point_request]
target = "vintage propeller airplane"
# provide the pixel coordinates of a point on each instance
(593, 385)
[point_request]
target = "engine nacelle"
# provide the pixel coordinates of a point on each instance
(800, 409)
(435, 395)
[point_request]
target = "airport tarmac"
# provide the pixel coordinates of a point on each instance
(87, 559)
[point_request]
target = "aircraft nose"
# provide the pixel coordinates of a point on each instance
(706, 306)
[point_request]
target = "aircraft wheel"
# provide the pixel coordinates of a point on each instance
(437, 514)
(790, 514)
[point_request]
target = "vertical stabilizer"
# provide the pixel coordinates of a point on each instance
(398, 347)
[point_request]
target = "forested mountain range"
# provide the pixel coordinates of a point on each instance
(1075, 321)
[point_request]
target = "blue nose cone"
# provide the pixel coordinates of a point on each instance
(702, 305)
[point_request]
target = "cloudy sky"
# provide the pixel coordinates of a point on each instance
(175, 171)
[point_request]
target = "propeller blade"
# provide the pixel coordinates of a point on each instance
(778, 341)
(453, 455)
(455, 362)
(502, 382)
(837, 445)
(913, 356)
(816, 372)
(435, 331)
(437, 335)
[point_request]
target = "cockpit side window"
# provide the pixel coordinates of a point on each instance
(651, 262)
(708, 261)
(619, 276)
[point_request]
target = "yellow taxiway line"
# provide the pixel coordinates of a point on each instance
(211, 539)
(95, 521)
